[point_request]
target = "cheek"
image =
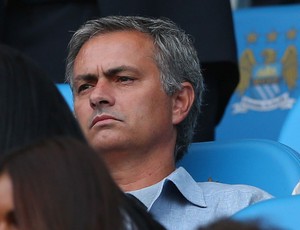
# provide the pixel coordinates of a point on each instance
(155, 108)
(81, 112)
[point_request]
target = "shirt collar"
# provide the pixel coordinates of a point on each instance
(187, 186)
(184, 183)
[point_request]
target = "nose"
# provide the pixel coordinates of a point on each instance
(102, 94)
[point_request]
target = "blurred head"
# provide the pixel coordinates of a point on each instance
(172, 53)
(61, 183)
(230, 224)
(31, 106)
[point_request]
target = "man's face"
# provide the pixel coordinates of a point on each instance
(118, 97)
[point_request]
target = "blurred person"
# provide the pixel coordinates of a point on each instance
(61, 183)
(31, 105)
(137, 89)
(230, 224)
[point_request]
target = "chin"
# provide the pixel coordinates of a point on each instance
(106, 143)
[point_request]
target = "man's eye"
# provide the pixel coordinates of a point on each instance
(83, 87)
(125, 79)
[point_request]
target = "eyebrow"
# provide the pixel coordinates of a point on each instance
(119, 69)
(84, 77)
(110, 72)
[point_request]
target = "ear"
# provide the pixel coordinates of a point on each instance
(182, 102)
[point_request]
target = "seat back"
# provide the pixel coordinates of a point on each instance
(66, 92)
(268, 50)
(281, 213)
(266, 164)
(289, 134)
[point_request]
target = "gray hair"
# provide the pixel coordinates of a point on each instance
(175, 56)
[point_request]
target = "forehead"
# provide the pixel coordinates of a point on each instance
(122, 48)
(120, 43)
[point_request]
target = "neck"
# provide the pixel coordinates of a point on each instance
(136, 171)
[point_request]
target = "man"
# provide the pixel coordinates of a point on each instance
(137, 90)
(40, 29)
(214, 40)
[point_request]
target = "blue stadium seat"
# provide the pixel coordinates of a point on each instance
(290, 132)
(268, 44)
(281, 213)
(66, 92)
(266, 164)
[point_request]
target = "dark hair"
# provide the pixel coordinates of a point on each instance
(31, 105)
(175, 56)
(61, 183)
(231, 224)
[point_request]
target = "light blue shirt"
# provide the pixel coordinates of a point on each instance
(179, 202)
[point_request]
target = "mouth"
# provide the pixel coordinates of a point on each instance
(103, 120)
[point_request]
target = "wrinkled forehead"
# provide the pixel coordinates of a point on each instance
(123, 48)
(117, 43)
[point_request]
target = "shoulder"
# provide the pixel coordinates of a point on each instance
(213, 190)
(242, 195)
